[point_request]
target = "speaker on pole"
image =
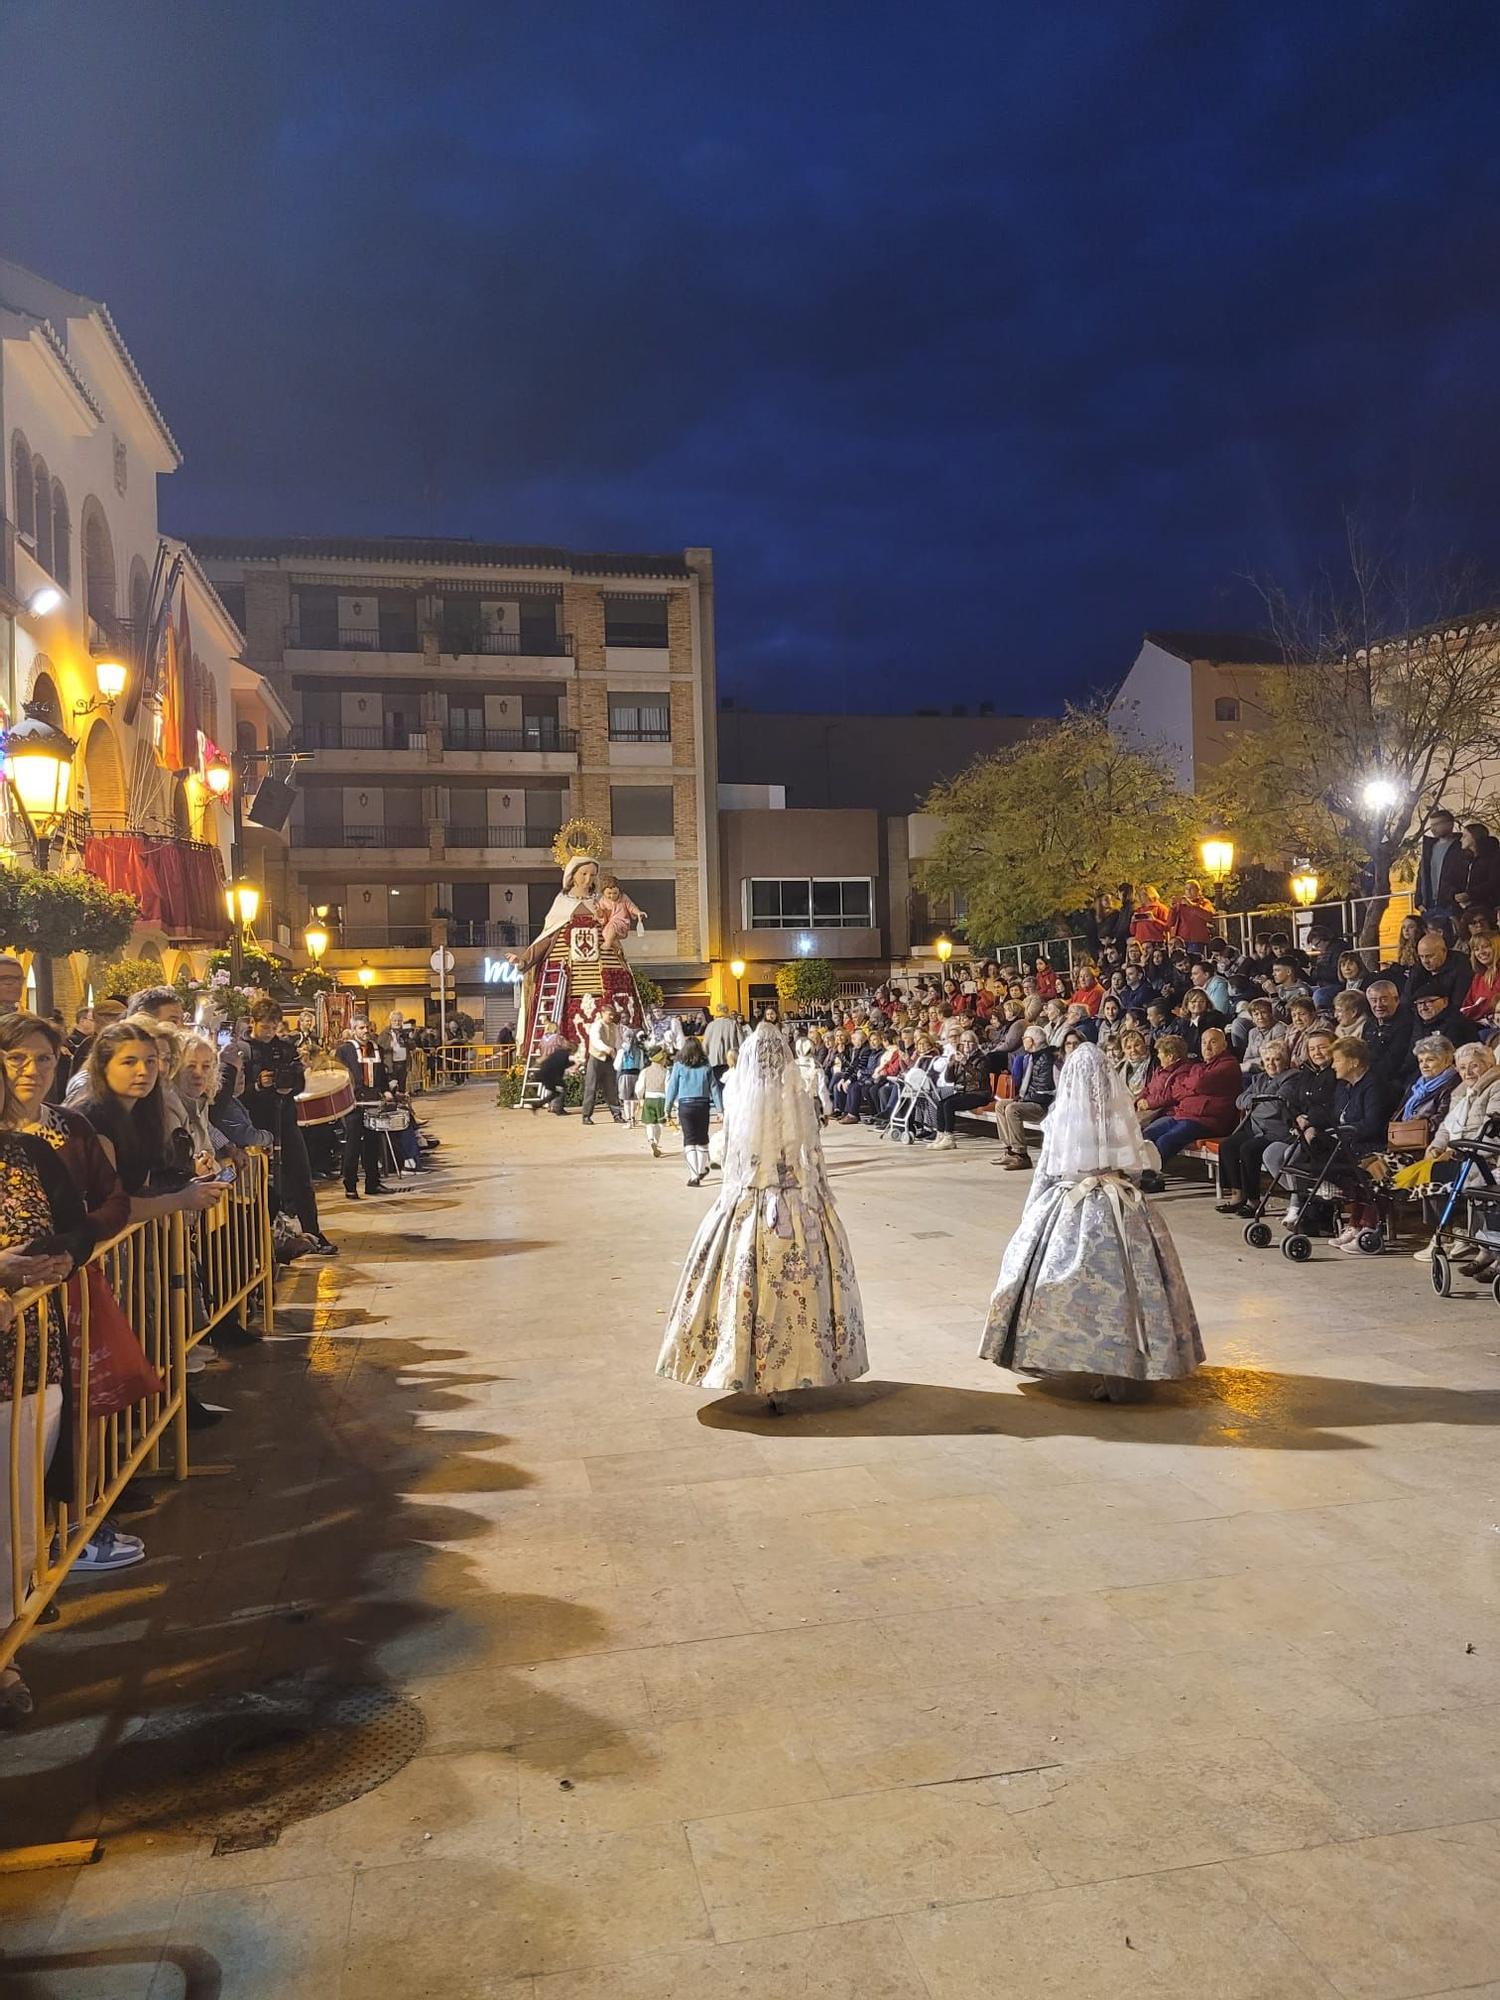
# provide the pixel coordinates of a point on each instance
(272, 805)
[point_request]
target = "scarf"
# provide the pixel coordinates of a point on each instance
(1424, 1090)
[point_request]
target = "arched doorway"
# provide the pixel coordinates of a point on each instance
(104, 777)
(44, 695)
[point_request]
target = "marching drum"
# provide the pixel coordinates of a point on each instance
(329, 1094)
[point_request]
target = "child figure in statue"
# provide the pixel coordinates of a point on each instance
(1090, 1283)
(768, 1301)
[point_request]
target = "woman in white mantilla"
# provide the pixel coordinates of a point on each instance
(768, 1301)
(1090, 1283)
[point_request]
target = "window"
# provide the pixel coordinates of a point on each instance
(644, 811)
(635, 621)
(656, 901)
(98, 563)
(42, 507)
(640, 718)
(1226, 709)
(25, 491)
(62, 554)
(819, 902)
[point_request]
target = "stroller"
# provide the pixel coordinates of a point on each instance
(914, 1114)
(1475, 1185)
(1320, 1178)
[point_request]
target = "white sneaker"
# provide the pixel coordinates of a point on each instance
(944, 1143)
(1424, 1255)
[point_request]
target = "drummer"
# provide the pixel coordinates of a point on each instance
(273, 1077)
(361, 1145)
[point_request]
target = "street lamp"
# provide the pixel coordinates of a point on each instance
(366, 976)
(737, 973)
(218, 776)
(39, 765)
(1380, 795)
(1217, 852)
(316, 940)
(1305, 886)
(944, 949)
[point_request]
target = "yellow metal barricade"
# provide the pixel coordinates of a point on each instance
(175, 1278)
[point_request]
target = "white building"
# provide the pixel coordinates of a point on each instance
(1189, 695)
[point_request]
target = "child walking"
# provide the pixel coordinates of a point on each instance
(651, 1094)
(629, 1064)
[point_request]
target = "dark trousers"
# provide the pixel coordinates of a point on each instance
(360, 1144)
(1240, 1156)
(296, 1188)
(599, 1080)
(949, 1107)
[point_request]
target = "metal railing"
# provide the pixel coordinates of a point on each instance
(108, 634)
(411, 835)
(616, 735)
(534, 737)
(352, 639)
(342, 736)
(493, 935)
(499, 836)
(174, 1280)
(536, 645)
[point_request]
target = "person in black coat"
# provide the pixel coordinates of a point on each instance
(274, 1077)
(1443, 866)
(1389, 1034)
(1266, 1102)
(1436, 1014)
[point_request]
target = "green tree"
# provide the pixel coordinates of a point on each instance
(1388, 707)
(803, 981)
(55, 914)
(127, 976)
(649, 989)
(1033, 830)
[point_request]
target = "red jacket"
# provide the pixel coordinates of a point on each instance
(1150, 924)
(1207, 1093)
(1192, 923)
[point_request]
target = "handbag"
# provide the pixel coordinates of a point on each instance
(119, 1373)
(1409, 1135)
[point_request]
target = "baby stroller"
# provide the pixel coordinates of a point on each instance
(1475, 1185)
(914, 1114)
(1320, 1178)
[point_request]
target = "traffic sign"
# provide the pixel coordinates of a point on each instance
(442, 960)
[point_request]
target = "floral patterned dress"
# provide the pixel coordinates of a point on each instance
(1091, 1284)
(768, 1300)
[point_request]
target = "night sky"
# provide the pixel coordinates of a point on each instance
(974, 338)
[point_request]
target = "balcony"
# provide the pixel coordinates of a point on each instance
(490, 936)
(409, 834)
(535, 736)
(351, 639)
(112, 637)
(467, 639)
(511, 839)
(335, 736)
(178, 883)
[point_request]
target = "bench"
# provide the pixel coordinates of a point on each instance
(1206, 1151)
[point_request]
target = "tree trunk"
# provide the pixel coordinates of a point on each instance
(1369, 930)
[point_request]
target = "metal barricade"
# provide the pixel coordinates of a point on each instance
(175, 1278)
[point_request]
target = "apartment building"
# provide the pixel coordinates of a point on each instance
(1189, 696)
(461, 701)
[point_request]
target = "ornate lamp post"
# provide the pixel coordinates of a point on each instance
(39, 764)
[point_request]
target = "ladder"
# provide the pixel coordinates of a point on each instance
(545, 1016)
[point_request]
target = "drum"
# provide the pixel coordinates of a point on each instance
(329, 1094)
(396, 1119)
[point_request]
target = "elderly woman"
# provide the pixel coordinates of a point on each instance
(1265, 1105)
(1351, 1013)
(1475, 1101)
(1131, 1055)
(1199, 1102)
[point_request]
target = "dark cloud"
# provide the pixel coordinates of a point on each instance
(975, 338)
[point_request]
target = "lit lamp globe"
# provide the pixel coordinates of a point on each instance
(944, 949)
(1380, 795)
(39, 760)
(366, 976)
(111, 676)
(218, 777)
(1305, 887)
(242, 900)
(1217, 853)
(736, 968)
(316, 940)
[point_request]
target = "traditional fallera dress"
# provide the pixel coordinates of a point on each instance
(1090, 1282)
(768, 1301)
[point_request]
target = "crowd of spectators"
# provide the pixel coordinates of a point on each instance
(134, 1114)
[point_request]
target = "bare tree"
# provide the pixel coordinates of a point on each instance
(1389, 706)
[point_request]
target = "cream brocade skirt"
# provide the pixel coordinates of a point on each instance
(768, 1299)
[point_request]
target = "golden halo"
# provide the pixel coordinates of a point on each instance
(578, 836)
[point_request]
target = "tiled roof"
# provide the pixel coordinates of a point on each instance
(428, 552)
(1229, 649)
(45, 299)
(59, 350)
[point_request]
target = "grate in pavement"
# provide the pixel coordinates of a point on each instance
(243, 1767)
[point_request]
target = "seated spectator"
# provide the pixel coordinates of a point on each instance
(1429, 1096)
(1197, 1015)
(1437, 1015)
(1132, 1056)
(1199, 1102)
(1325, 956)
(1359, 1111)
(1442, 969)
(1265, 1104)
(1309, 1103)
(29, 1050)
(963, 1085)
(157, 1003)
(1475, 1101)
(1390, 1033)
(1160, 1021)
(1302, 1018)
(1287, 982)
(1478, 1004)
(1351, 1012)
(1109, 1018)
(1264, 1027)
(1036, 1086)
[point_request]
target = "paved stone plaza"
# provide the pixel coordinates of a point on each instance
(943, 1689)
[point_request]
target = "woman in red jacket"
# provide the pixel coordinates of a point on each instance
(1087, 991)
(1484, 988)
(1199, 1101)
